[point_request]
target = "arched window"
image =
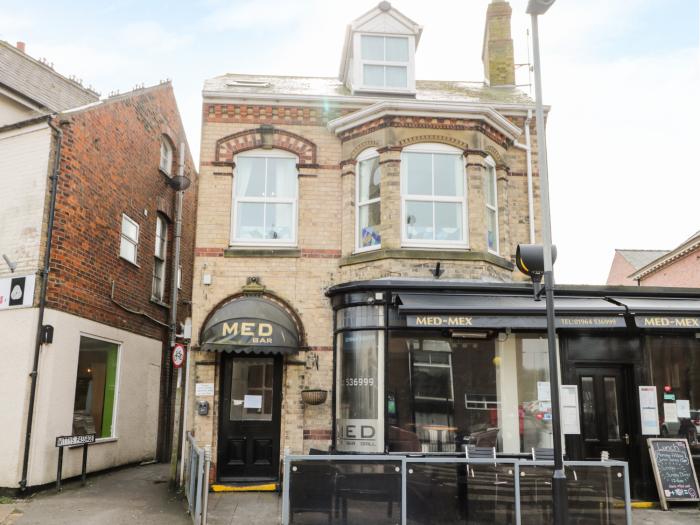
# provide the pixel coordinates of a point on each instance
(265, 194)
(368, 201)
(433, 197)
(491, 194)
(166, 156)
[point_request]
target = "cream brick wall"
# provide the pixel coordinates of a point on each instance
(327, 222)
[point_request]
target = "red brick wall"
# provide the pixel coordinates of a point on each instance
(684, 272)
(109, 166)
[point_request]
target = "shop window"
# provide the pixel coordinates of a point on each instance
(95, 388)
(360, 374)
(360, 317)
(385, 62)
(368, 198)
(159, 264)
(433, 196)
(675, 369)
(265, 199)
(491, 191)
(128, 247)
(443, 393)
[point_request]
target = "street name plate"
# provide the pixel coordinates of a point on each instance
(69, 441)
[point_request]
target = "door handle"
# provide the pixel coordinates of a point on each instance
(626, 437)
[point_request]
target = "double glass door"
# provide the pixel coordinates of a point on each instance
(604, 412)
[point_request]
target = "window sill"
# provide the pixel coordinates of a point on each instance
(427, 253)
(159, 302)
(137, 265)
(360, 251)
(261, 252)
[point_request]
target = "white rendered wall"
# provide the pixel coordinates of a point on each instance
(12, 111)
(17, 327)
(136, 405)
(24, 166)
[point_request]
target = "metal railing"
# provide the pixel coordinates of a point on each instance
(196, 480)
(392, 489)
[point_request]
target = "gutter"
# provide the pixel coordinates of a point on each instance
(42, 304)
(530, 198)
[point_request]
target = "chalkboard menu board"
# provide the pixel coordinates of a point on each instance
(673, 469)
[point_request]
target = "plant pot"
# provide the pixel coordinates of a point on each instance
(314, 396)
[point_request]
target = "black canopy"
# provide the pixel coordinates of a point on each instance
(251, 325)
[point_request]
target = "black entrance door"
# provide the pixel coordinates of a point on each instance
(604, 399)
(249, 418)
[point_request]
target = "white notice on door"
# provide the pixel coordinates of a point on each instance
(543, 391)
(670, 413)
(252, 401)
(683, 408)
(204, 389)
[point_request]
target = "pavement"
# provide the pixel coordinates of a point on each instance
(140, 495)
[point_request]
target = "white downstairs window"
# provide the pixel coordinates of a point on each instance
(129, 245)
(265, 199)
(159, 264)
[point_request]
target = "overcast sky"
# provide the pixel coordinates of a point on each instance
(622, 76)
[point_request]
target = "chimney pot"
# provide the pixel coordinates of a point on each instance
(21, 46)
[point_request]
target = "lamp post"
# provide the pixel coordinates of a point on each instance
(560, 514)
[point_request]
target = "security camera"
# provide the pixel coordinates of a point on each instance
(538, 7)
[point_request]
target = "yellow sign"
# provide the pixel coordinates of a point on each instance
(671, 322)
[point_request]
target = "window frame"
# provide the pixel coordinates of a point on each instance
(251, 243)
(124, 238)
(491, 174)
(433, 148)
(117, 382)
(409, 64)
(367, 154)
(160, 219)
(168, 157)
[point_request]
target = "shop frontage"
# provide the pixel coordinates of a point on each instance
(430, 367)
(250, 338)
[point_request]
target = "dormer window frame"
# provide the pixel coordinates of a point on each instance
(359, 62)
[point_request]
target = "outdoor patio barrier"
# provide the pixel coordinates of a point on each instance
(196, 481)
(401, 489)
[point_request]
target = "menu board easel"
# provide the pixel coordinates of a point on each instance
(674, 472)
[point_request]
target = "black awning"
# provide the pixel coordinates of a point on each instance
(661, 313)
(250, 325)
(506, 311)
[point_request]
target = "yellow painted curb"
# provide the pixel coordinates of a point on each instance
(644, 504)
(268, 487)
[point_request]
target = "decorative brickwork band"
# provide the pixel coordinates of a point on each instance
(231, 145)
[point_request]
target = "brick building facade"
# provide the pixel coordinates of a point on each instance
(109, 282)
(328, 127)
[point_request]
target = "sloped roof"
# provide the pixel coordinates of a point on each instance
(39, 83)
(639, 258)
(269, 86)
(689, 245)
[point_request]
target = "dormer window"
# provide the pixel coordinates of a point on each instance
(385, 61)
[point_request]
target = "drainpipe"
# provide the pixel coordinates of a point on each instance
(181, 187)
(528, 152)
(42, 303)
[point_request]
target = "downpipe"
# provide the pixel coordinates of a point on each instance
(42, 303)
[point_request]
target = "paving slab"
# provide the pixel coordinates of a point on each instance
(242, 508)
(677, 515)
(125, 496)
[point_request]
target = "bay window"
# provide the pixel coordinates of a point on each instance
(368, 199)
(491, 193)
(433, 196)
(265, 199)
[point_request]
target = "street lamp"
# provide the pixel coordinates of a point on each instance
(560, 514)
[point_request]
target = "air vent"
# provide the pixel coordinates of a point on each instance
(248, 83)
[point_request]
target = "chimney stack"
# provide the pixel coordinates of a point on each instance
(497, 55)
(21, 46)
